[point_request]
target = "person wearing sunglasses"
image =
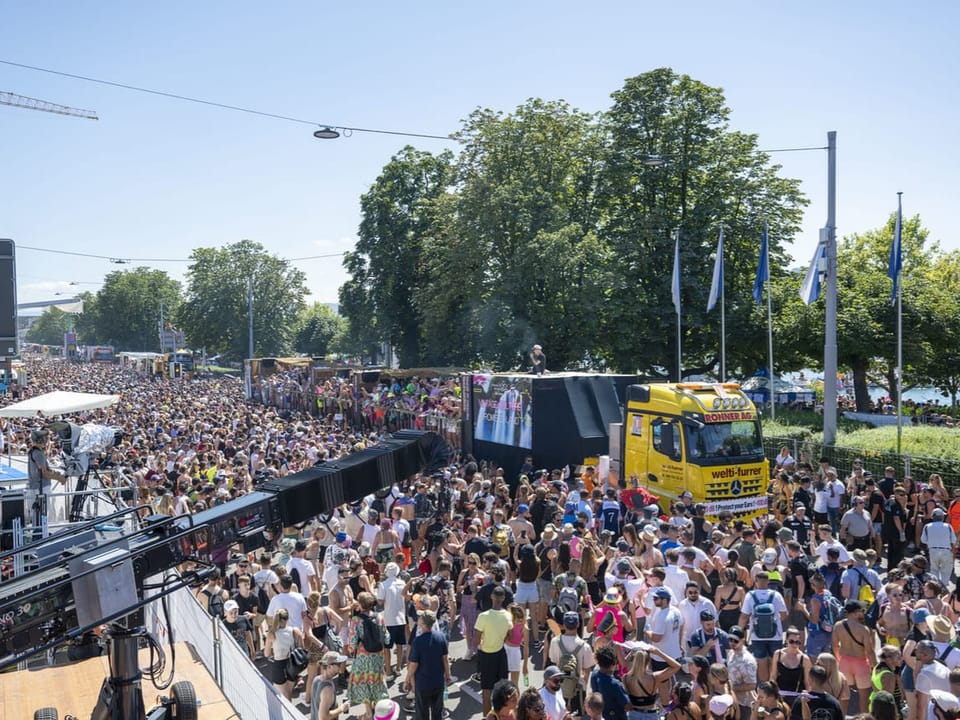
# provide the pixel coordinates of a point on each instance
(742, 671)
(791, 666)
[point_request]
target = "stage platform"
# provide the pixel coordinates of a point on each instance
(73, 688)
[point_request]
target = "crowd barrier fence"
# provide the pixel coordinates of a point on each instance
(251, 694)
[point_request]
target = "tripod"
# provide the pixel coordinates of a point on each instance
(83, 482)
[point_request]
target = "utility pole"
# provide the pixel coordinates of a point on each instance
(830, 318)
(250, 316)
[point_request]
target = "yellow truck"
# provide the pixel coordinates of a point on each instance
(701, 437)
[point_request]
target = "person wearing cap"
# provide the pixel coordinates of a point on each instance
(941, 541)
(817, 703)
(554, 704)
(665, 626)
(303, 567)
(521, 526)
(930, 675)
(492, 627)
(741, 670)
(238, 627)
(857, 576)
(709, 640)
(943, 705)
(428, 671)
(875, 506)
(856, 527)
(390, 593)
(799, 524)
(854, 647)
(323, 691)
(917, 579)
(40, 473)
(538, 361)
(570, 643)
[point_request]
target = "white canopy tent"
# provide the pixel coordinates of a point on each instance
(59, 402)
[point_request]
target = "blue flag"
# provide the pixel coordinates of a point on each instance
(896, 253)
(716, 285)
(810, 289)
(763, 268)
(675, 279)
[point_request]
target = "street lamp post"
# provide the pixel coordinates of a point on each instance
(830, 311)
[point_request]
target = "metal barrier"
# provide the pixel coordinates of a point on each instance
(251, 694)
(842, 458)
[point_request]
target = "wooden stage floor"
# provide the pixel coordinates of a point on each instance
(73, 688)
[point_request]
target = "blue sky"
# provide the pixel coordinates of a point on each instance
(155, 178)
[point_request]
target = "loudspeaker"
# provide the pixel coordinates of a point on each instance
(307, 493)
(8, 298)
(12, 505)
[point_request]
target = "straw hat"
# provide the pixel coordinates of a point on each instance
(941, 628)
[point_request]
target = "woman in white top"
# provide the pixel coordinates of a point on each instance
(281, 640)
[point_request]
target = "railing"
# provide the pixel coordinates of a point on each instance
(842, 458)
(250, 693)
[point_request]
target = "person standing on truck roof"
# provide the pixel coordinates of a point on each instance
(538, 361)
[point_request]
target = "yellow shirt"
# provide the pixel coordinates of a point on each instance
(494, 624)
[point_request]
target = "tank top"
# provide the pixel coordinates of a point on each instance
(789, 678)
(876, 677)
(649, 700)
(283, 642)
(516, 634)
(354, 584)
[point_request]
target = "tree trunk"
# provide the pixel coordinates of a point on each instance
(860, 391)
(891, 376)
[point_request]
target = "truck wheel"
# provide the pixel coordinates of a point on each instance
(47, 713)
(184, 701)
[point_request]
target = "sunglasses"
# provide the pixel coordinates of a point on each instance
(793, 642)
(734, 641)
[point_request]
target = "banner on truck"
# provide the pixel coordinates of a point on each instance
(738, 505)
(503, 409)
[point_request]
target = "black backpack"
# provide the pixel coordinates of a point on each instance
(295, 574)
(214, 603)
(371, 637)
(263, 598)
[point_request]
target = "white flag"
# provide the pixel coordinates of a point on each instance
(810, 289)
(716, 285)
(675, 280)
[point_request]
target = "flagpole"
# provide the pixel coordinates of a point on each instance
(677, 303)
(723, 324)
(773, 404)
(900, 332)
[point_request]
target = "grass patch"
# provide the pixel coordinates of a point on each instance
(933, 442)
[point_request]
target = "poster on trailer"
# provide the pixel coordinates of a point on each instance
(503, 409)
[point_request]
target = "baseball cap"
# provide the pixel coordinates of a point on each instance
(937, 514)
(662, 593)
(852, 606)
(230, 605)
(341, 536)
(769, 555)
(686, 494)
(920, 615)
(333, 658)
(572, 620)
(551, 671)
(523, 509)
(707, 615)
(736, 631)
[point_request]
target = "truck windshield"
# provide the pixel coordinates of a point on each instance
(716, 441)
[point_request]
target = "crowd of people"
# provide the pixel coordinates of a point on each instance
(842, 600)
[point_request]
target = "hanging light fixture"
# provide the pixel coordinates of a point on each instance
(327, 133)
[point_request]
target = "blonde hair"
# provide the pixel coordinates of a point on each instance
(313, 602)
(834, 684)
(639, 665)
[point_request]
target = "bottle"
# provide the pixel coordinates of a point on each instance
(446, 693)
(526, 681)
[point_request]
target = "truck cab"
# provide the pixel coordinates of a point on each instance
(698, 437)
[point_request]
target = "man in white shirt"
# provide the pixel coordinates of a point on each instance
(665, 627)
(828, 542)
(690, 608)
(390, 594)
(931, 675)
(763, 648)
(835, 492)
(304, 568)
(676, 579)
(553, 703)
(291, 601)
(941, 541)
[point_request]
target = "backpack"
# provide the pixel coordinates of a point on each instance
(764, 617)
(568, 600)
(871, 616)
(214, 603)
(776, 580)
(501, 537)
(569, 665)
(295, 575)
(865, 593)
(831, 578)
(263, 598)
(371, 637)
(831, 611)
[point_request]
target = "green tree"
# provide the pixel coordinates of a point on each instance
(941, 296)
(86, 323)
(128, 308)
(48, 329)
(317, 326)
(673, 164)
(867, 320)
(385, 267)
(214, 314)
(525, 229)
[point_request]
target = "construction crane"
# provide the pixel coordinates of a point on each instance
(20, 101)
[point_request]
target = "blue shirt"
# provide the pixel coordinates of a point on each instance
(615, 696)
(428, 651)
